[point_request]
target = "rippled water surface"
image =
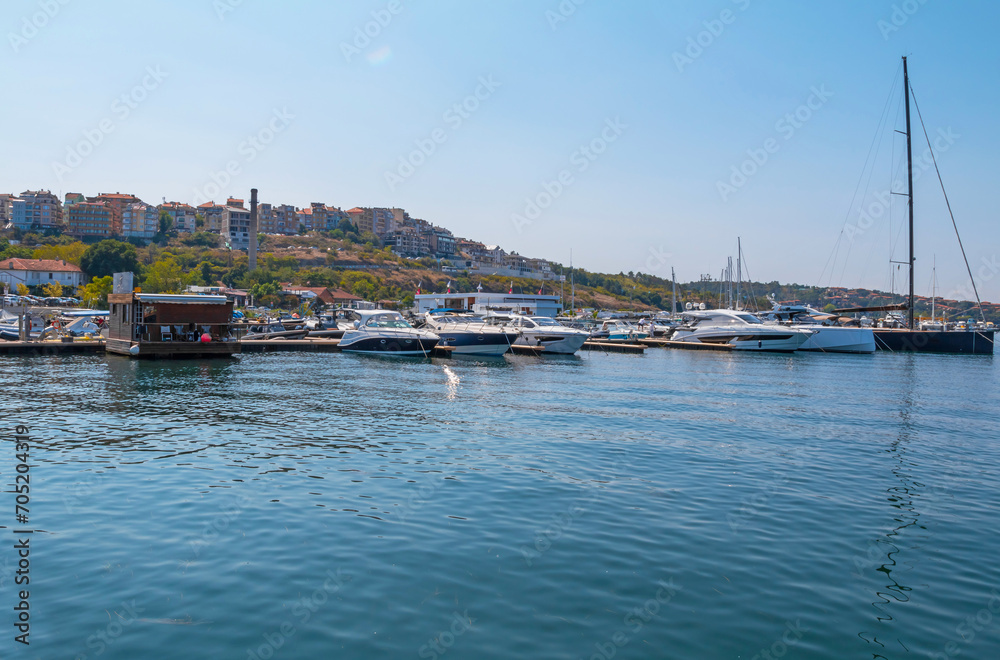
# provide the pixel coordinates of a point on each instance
(673, 505)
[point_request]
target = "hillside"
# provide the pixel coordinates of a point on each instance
(377, 274)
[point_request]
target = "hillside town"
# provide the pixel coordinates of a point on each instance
(126, 217)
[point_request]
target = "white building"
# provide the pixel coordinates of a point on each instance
(236, 227)
(38, 272)
(531, 304)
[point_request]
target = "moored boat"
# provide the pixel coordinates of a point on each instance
(387, 333)
(468, 334)
(740, 330)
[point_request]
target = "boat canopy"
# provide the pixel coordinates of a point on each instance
(179, 299)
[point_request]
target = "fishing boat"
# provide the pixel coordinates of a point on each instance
(912, 338)
(384, 332)
(468, 334)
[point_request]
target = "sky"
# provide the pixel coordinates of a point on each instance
(637, 136)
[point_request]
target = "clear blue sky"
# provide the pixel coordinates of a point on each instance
(649, 201)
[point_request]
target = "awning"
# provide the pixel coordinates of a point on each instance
(179, 299)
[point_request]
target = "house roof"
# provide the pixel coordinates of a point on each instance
(340, 294)
(356, 210)
(47, 265)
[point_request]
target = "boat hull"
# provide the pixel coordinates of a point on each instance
(558, 344)
(401, 346)
(767, 342)
(476, 343)
(975, 342)
(840, 340)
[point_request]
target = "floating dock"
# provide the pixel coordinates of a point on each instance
(51, 347)
(613, 347)
(686, 345)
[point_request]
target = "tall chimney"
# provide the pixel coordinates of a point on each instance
(253, 229)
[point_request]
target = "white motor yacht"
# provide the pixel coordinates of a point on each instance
(741, 330)
(385, 332)
(467, 334)
(830, 335)
(544, 332)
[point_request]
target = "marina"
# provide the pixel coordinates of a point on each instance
(567, 330)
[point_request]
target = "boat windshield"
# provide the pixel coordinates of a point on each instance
(545, 321)
(387, 321)
(749, 318)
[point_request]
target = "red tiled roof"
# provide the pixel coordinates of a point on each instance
(356, 210)
(48, 265)
(340, 294)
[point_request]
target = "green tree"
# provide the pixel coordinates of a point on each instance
(199, 220)
(347, 227)
(71, 253)
(53, 290)
(109, 257)
(829, 308)
(265, 292)
(164, 276)
(96, 293)
(22, 290)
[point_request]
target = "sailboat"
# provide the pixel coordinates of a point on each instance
(911, 338)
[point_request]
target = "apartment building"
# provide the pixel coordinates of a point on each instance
(117, 203)
(183, 216)
(212, 213)
(236, 225)
(90, 220)
(42, 210)
(140, 220)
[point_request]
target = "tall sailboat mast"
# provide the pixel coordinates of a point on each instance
(909, 180)
(673, 297)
